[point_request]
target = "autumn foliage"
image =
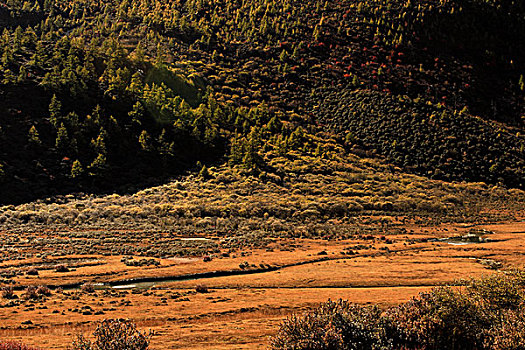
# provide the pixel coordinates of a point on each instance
(482, 314)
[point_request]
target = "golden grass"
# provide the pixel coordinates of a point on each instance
(242, 311)
(343, 227)
(243, 315)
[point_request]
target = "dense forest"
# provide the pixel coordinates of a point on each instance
(117, 95)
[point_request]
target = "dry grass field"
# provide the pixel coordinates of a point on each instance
(218, 264)
(242, 310)
(208, 169)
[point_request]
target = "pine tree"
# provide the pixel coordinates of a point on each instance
(145, 141)
(55, 108)
(204, 173)
(76, 169)
(164, 145)
(137, 114)
(236, 152)
(296, 139)
(136, 85)
(100, 143)
(251, 156)
(62, 140)
(34, 137)
(282, 148)
(99, 165)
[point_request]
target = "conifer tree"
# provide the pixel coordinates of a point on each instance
(145, 141)
(76, 169)
(55, 109)
(62, 139)
(34, 136)
(99, 165)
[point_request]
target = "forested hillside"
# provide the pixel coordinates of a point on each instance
(117, 95)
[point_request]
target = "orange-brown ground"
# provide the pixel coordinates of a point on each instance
(242, 311)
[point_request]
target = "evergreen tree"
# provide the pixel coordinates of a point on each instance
(76, 169)
(62, 140)
(236, 152)
(204, 173)
(55, 109)
(252, 157)
(145, 141)
(99, 165)
(34, 137)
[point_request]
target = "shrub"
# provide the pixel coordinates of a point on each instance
(61, 268)
(88, 288)
(43, 291)
(506, 291)
(10, 345)
(7, 292)
(31, 293)
(335, 325)
(114, 335)
(440, 319)
(201, 289)
(489, 314)
(308, 332)
(509, 333)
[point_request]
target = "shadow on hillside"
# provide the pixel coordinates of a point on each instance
(490, 37)
(30, 171)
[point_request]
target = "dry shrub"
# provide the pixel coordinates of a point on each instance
(201, 288)
(31, 294)
(489, 314)
(503, 291)
(10, 345)
(509, 334)
(61, 268)
(334, 325)
(32, 272)
(114, 335)
(441, 319)
(87, 288)
(36, 293)
(7, 292)
(43, 291)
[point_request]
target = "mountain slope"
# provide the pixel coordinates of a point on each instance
(115, 96)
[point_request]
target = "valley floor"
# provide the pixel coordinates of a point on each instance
(243, 305)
